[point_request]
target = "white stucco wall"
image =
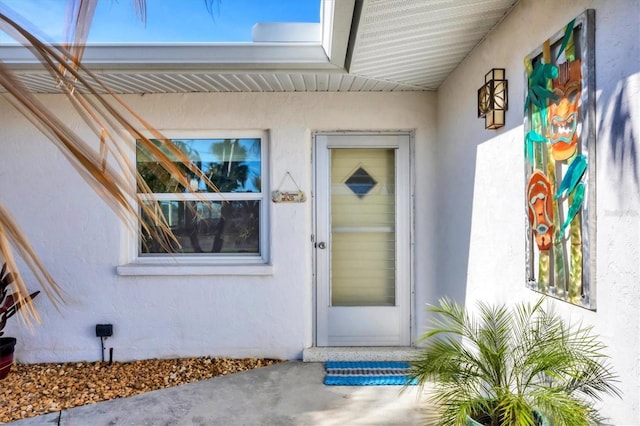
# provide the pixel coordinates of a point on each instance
(80, 239)
(481, 211)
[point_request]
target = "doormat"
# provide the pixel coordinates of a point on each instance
(368, 373)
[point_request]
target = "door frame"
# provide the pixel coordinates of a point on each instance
(411, 224)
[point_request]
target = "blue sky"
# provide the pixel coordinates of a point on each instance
(168, 20)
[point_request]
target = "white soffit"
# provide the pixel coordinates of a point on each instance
(419, 42)
(220, 81)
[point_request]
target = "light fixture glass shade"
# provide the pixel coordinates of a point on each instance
(494, 74)
(494, 119)
(493, 99)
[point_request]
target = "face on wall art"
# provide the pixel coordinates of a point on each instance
(559, 123)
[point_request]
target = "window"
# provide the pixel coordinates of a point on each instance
(228, 226)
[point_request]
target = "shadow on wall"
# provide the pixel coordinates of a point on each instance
(456, 178)
(623, 145)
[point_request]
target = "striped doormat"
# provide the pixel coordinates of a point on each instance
(367, 373)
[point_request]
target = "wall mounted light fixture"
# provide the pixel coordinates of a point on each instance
(493, 99)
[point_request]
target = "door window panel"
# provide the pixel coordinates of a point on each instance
(363, 260)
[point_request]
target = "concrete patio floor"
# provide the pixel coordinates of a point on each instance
(290, 393)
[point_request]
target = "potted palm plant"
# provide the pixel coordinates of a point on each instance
(9, 306)
(505, 366)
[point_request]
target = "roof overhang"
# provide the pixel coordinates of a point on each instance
(309, 48)
(359, 45)
(185, 57)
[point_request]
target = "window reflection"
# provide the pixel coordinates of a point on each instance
(233, 165)
(206, 227)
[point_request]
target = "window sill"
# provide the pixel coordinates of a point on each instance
(194, 269)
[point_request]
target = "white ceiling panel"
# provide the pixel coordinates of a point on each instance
(419, 42)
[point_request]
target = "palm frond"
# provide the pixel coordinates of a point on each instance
(107, 169)
(510, 362)
(12, 237)
(78, 18)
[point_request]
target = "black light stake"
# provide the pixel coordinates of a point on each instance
(103, 331)
(493, 99)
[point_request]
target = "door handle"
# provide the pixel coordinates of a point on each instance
(322, 245)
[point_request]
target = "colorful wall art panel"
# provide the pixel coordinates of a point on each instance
(560, 159)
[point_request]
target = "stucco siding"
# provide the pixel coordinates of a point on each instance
(81, 241)
(482, 213)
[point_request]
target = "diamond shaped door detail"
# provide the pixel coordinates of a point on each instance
(360, 182)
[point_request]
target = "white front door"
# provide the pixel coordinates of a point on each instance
(362, 239)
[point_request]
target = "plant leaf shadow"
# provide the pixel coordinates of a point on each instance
(617, 122)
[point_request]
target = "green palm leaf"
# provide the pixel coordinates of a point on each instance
(512, 364)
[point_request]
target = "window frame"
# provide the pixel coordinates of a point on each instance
(138, 263)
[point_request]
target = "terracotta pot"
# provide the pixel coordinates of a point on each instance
(7, 345)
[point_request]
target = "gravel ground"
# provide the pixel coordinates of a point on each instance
(33, 389)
